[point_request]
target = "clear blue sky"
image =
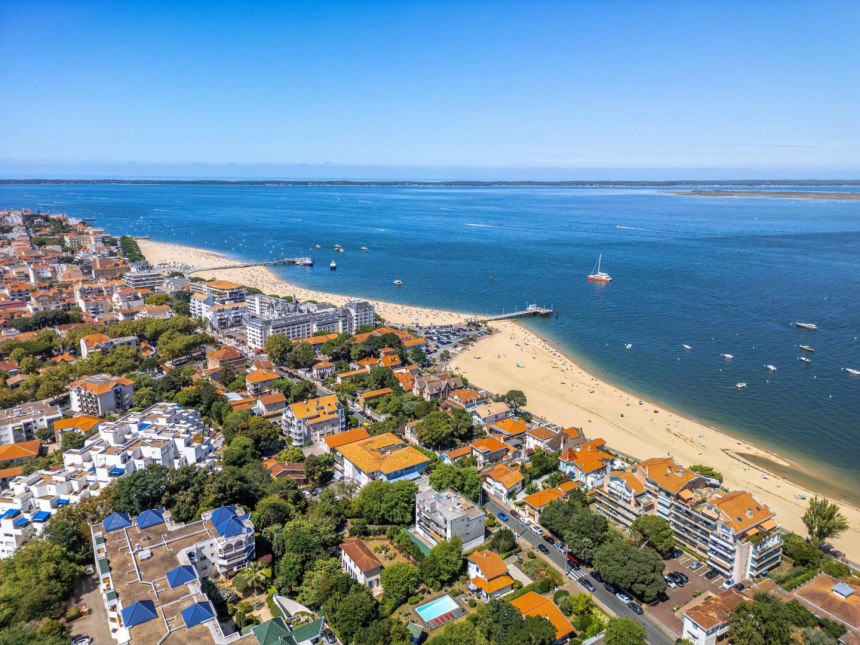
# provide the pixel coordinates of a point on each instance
(747, 88)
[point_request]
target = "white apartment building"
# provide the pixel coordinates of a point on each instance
(21, 422)
(130, 552)
(221, 303)
(101, 394)
(313, 420)
(267, 315)
(441, 516)
(142, 276)
(99, 343)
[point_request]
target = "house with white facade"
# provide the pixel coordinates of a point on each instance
(445, 514)
(361, 564)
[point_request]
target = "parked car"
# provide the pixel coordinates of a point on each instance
(695, 565)
(728, 584)
(680, 576)
(82, 640)
(623, 597)
(678, 580)
(536, 529)
(676, 553)
(636, 609)
(608, 587)
(502, 516)
(514, 514)
(572, 560)
(548, 539)
(595, 575)
(329, 636)
(670, 581)
(740, 586)
(90, 570)
(713, 573)
(558, 547)
(542, 548)
(585, 582)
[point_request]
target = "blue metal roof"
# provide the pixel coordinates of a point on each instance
(150, 518)
(116, 472)
(223, 514)
(181, 575)
(62, 501)
(22, 521)
(137, 613)
(12, 512)
(228, 523)
(232, 528)
(41, 516)
(197, 613)
(116, 521)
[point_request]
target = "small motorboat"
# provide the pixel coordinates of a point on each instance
(398, 283)
(628, 345)
(804, 359)
(333, 265)
(806, 326)
(728, 356)
(318, 246)
(772, 368)
(363, 248)
(806, 348)
(851, 370)
(741, 386)
(687, 347)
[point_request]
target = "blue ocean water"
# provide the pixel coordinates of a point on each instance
(723, 275)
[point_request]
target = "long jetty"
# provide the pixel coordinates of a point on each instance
(531, 310)
(302, 261)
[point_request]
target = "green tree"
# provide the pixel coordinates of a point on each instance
(144, 397)
(301, 356)
(322, 581)
(812, 636)
(319, 468)
(503, 541)
(760, 622)
(159, 299)
(464, 480)
(350, 614)
(495, 620)
(272, 510)
(418, 356)
(582, 530)
(293, 454)
(515, 399)
(399, 582)
(381, 502)
(638, 570)
(655, 531)
(707, 471)
(434, 430)
(142, 490)
(624, 631)
(443, 563)
(251, 579)
(240, 452)
(380, 377)
(278, 347)
(801, 552)
(45, 434)
(823, 520)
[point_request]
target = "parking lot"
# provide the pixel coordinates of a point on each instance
(664, 611)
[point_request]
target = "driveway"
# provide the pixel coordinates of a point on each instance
(664, 612)
(96, 624)
(654, 634)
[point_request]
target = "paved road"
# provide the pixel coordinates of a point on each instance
(654, 635)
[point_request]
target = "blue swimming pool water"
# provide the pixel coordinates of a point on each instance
(436, 608)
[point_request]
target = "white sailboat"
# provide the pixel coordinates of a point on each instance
(597, 275)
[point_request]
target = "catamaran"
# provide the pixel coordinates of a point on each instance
(597, 275)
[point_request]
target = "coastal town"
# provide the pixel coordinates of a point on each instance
(209, 455)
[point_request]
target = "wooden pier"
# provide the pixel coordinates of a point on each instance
(530, 310)
(302, 261)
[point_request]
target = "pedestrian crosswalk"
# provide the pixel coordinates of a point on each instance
(576, 574)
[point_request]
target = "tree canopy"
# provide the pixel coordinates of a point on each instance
(637, 570)
(823, 520)
(654, 531)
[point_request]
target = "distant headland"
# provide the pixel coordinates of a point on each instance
(772, 194)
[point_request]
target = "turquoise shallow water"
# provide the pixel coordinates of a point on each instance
(723, 275)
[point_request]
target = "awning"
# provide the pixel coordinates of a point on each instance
(116, 472)
(41, 516)
(12, 512)
(62, 501)
(22, 521)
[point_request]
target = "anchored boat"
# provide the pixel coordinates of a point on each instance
(807, 325)
(597, 275)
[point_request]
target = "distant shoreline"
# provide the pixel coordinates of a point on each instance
(772, 194)
(772, 183)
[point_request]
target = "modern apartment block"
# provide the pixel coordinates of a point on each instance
(20, 423)
(267, 315)
(734, 532)
(101, 394)
(151, 569)
(383, 457)
(143, 276)
(313, 420)
(220, 303)
(445, 514)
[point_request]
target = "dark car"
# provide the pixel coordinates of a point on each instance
(585, 582)
(674, 577)
(572, 559)
(609, 587)
(636, 609)
(548, 539)
(542, 548)
(595, 575)
(329, 636)
(713, 573)
(740, 586)
(680, 576)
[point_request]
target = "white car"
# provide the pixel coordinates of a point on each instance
(623, 597)
(728, 584)
(82, 640)
(670, 582)
(536, 529)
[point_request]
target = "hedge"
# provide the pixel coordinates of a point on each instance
(543, 585)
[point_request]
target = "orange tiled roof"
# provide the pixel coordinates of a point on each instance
(456, 453)
(543, 497)
(492, 586)
(541, 433)
(510, 426)
(668, 473)
(223, 284)
(23, 450)
(100, 388)
(367, 456)
(224, 353)
(490, 564)
(488, 444)
(343, 438)
(376, 394)
(84, 423)
(819, 593)
(740, 510)
(716, 610)
(357, 551)
(315, 407)
(533, 604)
(9, 473)
(261, 376)
(505, 475)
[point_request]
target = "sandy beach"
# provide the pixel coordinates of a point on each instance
(560, 391)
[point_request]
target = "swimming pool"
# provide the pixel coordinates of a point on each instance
(436, 608)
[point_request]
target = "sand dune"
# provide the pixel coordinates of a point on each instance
(562, 392)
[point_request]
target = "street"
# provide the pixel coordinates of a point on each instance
(654, 634)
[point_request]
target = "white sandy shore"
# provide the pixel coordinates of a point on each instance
(563, 393)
